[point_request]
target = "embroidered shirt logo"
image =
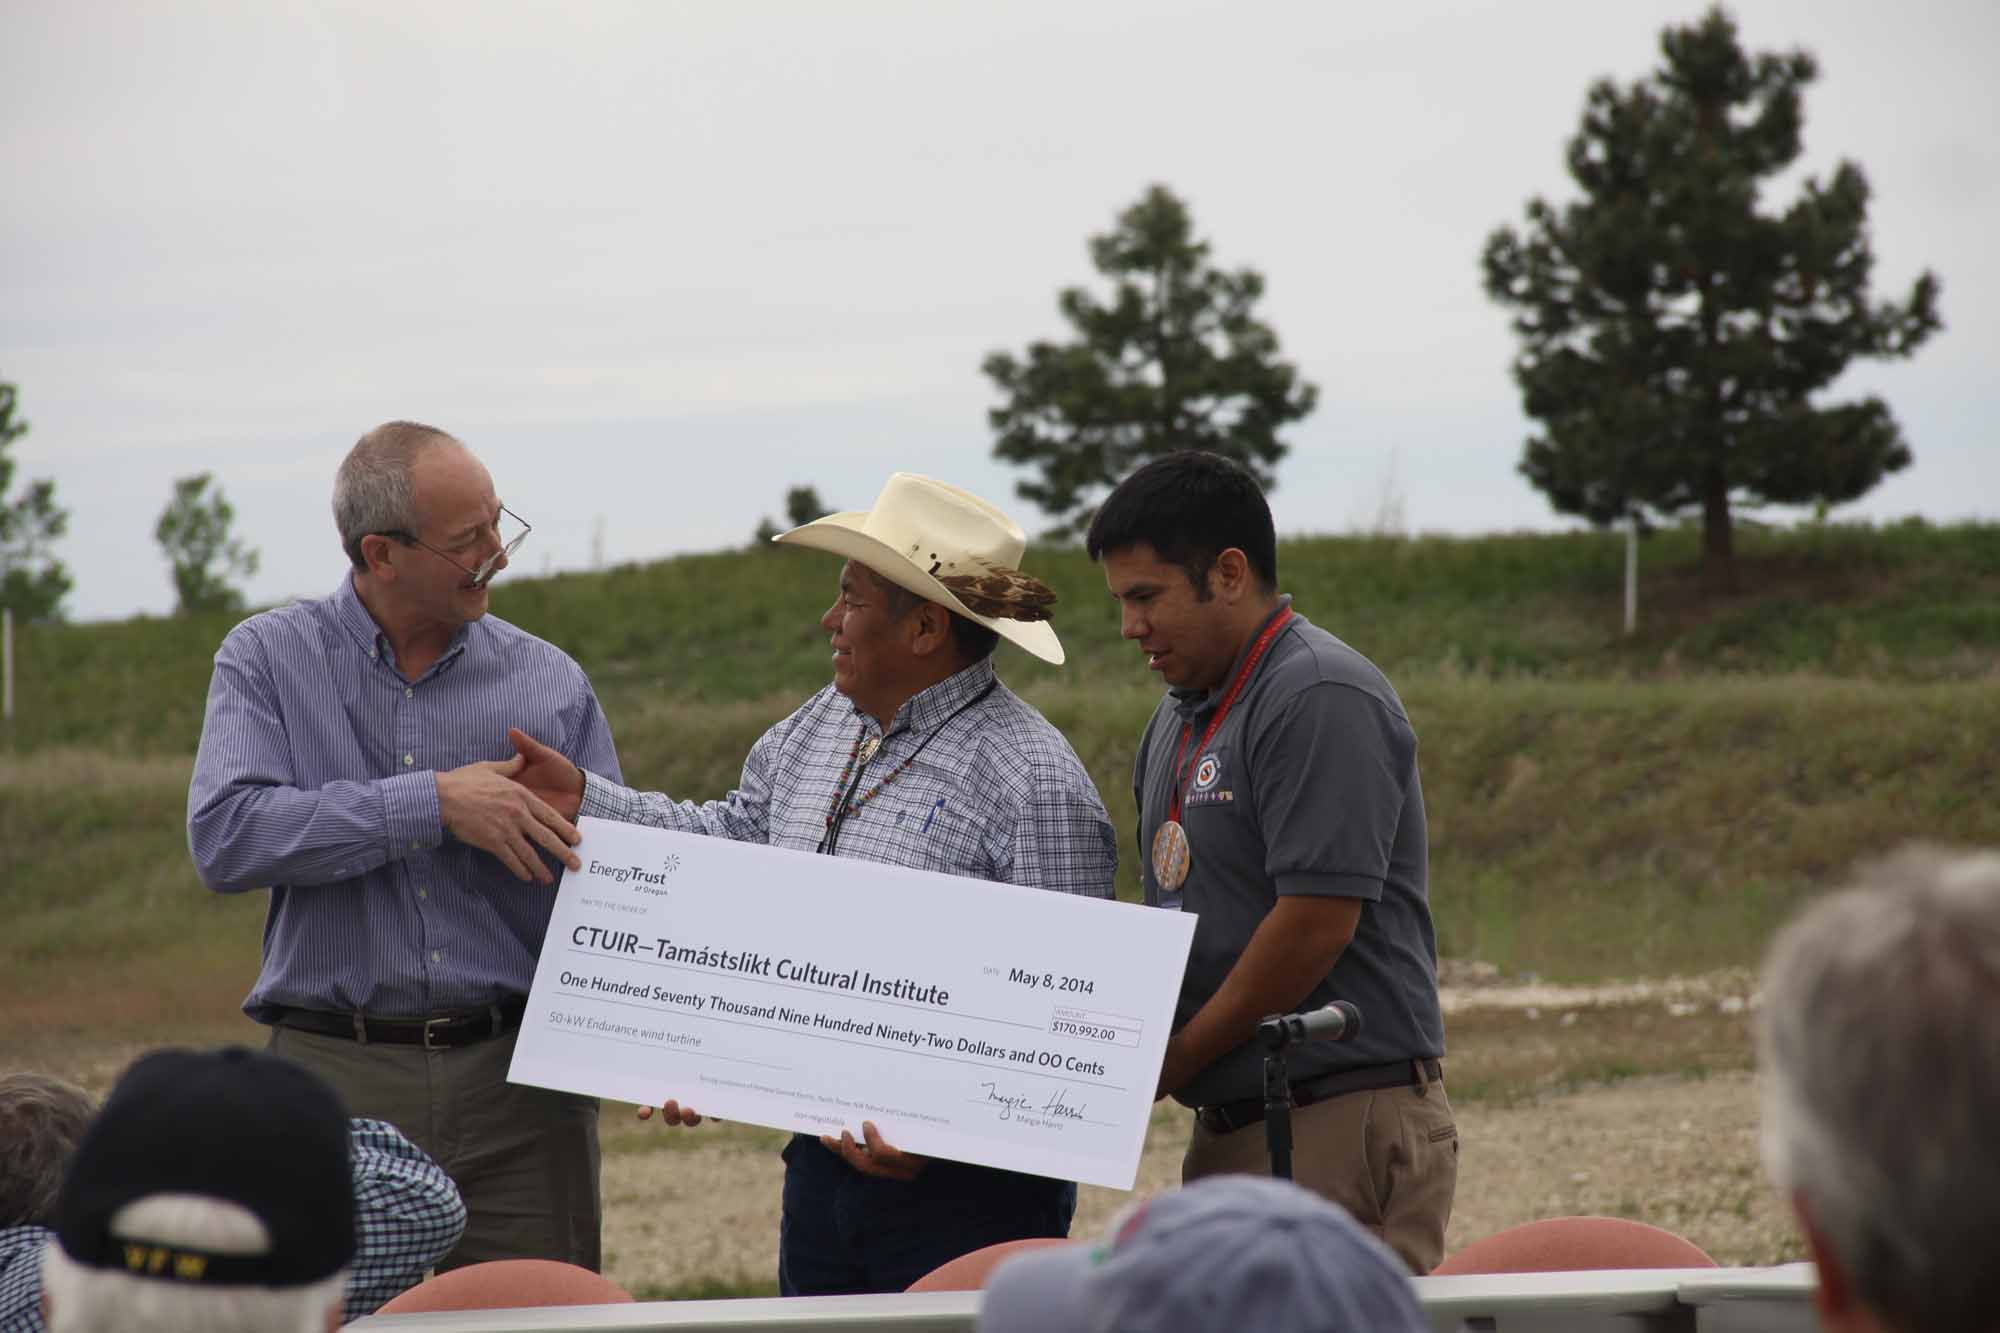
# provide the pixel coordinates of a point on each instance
(1206, 788)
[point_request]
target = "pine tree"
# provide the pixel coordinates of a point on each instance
(1672, 334)
(194, 532)
(1174, 359)
(32, 582)
(803, 505)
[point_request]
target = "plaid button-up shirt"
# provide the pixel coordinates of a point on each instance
(996, 793)
(407, 1216)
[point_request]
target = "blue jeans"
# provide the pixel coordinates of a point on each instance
(844, 1233)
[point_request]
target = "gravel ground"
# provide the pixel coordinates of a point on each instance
(1678, 1149)
(1667, 1135)
(1681, 1154)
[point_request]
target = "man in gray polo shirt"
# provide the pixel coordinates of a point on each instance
(1279, 800)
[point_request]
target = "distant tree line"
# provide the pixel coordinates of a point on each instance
(1673, 338)
(193, 532)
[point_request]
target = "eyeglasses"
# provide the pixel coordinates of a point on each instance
(487, 566)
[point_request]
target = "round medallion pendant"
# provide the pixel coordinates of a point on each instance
(1171, 856)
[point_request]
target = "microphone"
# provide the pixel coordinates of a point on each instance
(1339, 1021)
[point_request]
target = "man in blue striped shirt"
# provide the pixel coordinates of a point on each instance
(354, 760)
(914, 755)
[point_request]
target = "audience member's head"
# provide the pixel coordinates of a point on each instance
(213, 1192)
(1225, 1252)
(1187, 508)
(42, 1119)
(1880, 1043)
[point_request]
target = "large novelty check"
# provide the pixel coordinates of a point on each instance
(990, 1023)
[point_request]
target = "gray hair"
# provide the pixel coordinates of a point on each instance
(372, 491)
(102, 1300)
(41, 1121)
(1880, 1044)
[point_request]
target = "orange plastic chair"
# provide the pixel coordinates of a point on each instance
(969, 1272)
(508, 1284)
(1575, 1244)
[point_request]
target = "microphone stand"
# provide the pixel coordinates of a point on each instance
(1272, 1036)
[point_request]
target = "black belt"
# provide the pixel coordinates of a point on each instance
(457, 1027)
(1228, 1117)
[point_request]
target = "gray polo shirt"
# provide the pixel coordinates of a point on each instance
(1309, 787)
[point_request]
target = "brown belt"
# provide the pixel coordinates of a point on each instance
(1228, 1117)
(458, 1027)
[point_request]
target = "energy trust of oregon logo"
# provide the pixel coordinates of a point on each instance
(646, 881)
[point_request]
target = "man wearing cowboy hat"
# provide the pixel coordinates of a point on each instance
(914, 755)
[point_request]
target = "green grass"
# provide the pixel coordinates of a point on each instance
(1579, 829)
(1907, 602)
(1598, 806)
(1591, 828)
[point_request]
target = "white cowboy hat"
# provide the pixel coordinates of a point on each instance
(923, 534)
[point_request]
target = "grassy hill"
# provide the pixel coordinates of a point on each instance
(1908, 603)
(1599, 805)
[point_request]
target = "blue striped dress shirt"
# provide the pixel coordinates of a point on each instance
(316, 777)
(992, 790)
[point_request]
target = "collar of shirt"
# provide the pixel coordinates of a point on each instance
(927, 708)
(361, 626)
(1192, 704)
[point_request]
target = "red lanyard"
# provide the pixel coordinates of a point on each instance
(1228, 701)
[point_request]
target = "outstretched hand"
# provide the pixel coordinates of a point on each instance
(483, 805)
(547, 774)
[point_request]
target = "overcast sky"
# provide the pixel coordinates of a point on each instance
(655, 262)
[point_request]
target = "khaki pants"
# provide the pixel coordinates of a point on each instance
(525, 1159)
(1388, 1157)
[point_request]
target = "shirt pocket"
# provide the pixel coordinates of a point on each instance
(1212, 786)
(938, 832)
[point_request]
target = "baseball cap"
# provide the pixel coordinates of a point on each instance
(1223, 1252)
(233, 1125)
